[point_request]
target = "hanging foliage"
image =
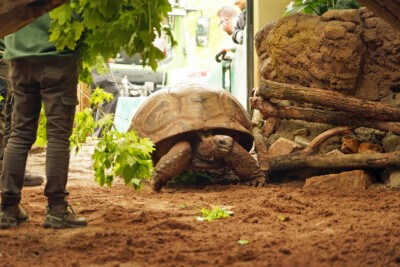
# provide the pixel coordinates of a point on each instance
(319, 7)
(103, 27)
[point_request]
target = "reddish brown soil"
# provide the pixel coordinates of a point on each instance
(129, 228)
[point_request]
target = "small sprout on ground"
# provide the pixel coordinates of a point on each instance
(78, 203)
(283, 218)
(243, 242)
(215, 213)
(184, 206)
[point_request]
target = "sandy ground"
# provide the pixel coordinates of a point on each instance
(285, 225)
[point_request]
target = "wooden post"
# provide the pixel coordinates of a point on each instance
(83, 96)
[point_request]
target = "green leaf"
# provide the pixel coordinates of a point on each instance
(215, 213)
(283, 218)
(243, 242)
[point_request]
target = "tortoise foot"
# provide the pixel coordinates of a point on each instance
(157, 185)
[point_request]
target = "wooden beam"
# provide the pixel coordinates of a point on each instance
(14, 14)
(331, 99)
(338, 162)
(321, 116)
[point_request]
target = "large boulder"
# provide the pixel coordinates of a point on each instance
(350, 51)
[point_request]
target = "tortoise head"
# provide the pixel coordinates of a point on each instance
(212, 147)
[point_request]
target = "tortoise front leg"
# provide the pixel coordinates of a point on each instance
(244, 165)
(171, 164)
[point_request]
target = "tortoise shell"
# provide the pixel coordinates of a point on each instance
(172, 114)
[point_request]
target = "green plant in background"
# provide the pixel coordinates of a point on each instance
(102, 27)
(84, 127)
(215, 213)
(41, 134)
(319, 7)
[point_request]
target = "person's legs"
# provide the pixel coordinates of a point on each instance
(59, 81)
(30, 179)
(5, 124)
(23, 134)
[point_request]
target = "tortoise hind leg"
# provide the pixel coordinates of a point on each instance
(171, 164)
(245, 166)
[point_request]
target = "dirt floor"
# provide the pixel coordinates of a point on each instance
(285, 225)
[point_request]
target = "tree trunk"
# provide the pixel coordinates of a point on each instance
(331, 99)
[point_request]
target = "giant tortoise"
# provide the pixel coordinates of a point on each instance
(197, 127)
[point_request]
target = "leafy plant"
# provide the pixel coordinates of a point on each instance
(122, 154)
(319, 7)
(116, 154)
(215, 213)
(84, 127)
(103, 27)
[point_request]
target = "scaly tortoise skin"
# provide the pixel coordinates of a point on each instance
(199, 128)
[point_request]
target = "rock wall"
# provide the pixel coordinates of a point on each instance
(350, 51)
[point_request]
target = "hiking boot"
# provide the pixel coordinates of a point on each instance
(32, 180)
(59, 216)
(11, 216)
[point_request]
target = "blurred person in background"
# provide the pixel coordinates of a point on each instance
(106, 82)
(227, 20)
(238, 32)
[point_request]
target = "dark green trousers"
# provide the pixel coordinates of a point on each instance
(53, 81)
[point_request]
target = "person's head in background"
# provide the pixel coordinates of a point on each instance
(227, 18)
(242, 4)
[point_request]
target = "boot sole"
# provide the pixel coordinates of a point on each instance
(10, 225)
